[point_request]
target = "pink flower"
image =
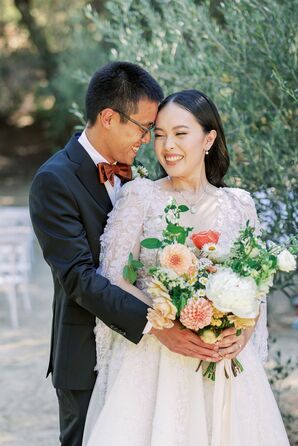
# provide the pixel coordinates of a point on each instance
(196, 314)
(177, 257)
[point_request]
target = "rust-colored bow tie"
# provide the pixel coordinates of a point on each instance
(108, 171)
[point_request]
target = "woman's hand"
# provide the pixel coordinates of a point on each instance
(231, 345)
(180, 340)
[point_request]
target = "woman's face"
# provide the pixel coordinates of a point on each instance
(180, 141)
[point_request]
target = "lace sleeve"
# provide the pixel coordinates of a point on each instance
(249, 210)
(124, 229)
(260, 335)
(121, 236)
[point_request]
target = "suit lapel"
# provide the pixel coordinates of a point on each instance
(87, 174)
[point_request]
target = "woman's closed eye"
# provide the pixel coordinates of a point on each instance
(158, 135)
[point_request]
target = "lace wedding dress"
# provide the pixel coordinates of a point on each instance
(146, 395)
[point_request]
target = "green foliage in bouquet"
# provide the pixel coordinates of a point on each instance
(251, 257)
(131, 268)
(173, 233)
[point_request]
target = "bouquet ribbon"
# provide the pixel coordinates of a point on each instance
(224, 406)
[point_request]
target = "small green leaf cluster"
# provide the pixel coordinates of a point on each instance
(174, 232)
(180, 298)
(170, 279)
(131, 268)
(251, 257)
(225, 323)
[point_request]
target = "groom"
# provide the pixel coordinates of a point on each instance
(70, 198)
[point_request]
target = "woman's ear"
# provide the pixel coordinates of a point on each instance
(210, 138)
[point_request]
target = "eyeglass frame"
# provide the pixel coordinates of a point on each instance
(141, 126)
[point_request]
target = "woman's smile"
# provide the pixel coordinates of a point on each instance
(173, 158)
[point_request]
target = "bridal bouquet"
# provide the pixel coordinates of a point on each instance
(206, 290)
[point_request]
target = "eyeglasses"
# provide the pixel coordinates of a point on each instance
(144, 129)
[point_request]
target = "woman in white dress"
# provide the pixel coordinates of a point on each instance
(146, 395)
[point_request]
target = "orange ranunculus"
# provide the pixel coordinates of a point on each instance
(201, 238)
(176, 257)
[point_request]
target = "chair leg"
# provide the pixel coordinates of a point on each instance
(13, 306)
(24, 290)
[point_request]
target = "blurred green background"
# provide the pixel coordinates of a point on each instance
(242, 53)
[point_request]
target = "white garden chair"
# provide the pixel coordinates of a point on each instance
(16, 238)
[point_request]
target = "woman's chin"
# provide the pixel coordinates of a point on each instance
(173, 171)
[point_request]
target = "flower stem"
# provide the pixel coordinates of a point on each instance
(198, 368)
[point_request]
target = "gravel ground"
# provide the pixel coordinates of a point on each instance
(28, 406)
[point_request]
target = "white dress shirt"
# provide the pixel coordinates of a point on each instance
(112, 191)
(98, 158)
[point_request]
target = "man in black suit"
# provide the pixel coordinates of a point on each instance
(70, 197)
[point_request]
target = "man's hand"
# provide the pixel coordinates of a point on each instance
(231, 345)
(184, 342)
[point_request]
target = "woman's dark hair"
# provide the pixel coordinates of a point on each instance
(204, 110)
(120, 85)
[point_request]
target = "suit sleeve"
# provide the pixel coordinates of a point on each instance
(58, 226)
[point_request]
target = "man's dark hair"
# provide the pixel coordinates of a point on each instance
(120, 86)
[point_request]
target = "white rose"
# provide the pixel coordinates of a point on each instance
(286, 261)
(232, 293)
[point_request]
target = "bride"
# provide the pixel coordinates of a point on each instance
(146, 395)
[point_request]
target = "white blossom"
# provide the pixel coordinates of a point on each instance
(286, 261)
(230, 292)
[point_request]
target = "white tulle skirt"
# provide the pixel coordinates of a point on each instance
(146, 395)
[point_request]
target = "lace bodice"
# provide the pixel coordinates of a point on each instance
(139, 213)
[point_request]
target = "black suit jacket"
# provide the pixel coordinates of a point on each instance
(69, 210)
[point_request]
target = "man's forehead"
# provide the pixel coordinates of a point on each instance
(146, 111)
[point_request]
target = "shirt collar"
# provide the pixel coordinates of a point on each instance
(92, 152)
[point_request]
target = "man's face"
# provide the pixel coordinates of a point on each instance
(125, 139)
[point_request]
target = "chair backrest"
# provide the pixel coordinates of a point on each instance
(14, 215)
(16, 237)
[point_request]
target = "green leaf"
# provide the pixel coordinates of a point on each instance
(181, 239)
(126, 273)
(183, 208)
(136, 264)
(132, 275)
(130, 258)
(151, 243)
(173, 229)
(129, 271)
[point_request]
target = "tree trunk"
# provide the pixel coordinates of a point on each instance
(37, 36)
